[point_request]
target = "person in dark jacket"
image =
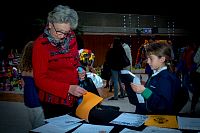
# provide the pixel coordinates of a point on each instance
(117, 64)
(106, 71)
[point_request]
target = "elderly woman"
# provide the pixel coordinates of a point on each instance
(55, 63)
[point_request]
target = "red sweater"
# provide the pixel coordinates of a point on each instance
(54, 74)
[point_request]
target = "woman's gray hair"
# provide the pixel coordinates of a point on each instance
(63, 14)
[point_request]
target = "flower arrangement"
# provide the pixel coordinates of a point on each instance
(86, 57)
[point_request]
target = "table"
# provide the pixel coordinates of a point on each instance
(118, 128)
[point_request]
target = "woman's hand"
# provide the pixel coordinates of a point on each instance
(76, 90)
(137, 88)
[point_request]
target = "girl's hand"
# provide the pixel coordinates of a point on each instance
(137, 88)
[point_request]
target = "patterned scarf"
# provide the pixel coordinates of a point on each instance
(62, 45)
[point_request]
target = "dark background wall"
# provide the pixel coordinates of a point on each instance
(20, 21)
(99, 44)
(17, 17)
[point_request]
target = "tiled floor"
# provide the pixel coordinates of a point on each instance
(104, 92)
(13, 118)
(186, 108)
(123, 103)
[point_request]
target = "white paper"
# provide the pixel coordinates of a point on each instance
(188, 123)
(62, 123)
(90, 128)
(51, 128)
(129, 119)
(64, 119)
(136, 80)
(126, 130)
(97, 80)
(140, 98)
(153, 129)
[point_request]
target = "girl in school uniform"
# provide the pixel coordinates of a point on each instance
(162, 86)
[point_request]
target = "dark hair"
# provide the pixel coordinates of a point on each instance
(126, 39)
(26, 58)
(161, 50)
(117, 43)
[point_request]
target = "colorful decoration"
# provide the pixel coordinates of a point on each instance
(86, 57)
(10, 77)
(141, 57)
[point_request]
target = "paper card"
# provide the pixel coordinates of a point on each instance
(90, 128)
(89, 101)
(167, 121)
(188, 123)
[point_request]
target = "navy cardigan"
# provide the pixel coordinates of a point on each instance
(164, 87)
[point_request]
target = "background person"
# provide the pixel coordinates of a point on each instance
(106, 70)
(195, 81)
(127, 49)
(31, 99)
(117, 64)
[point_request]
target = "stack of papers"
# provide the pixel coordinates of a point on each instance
(152, 129)
(59, 124)
(129, 119)
(52, 128)
(67, 119)
(89, 128)
(188, 123)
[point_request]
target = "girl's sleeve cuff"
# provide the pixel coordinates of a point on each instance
(146, 93)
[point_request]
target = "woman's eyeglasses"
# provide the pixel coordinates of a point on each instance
(60, 32)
